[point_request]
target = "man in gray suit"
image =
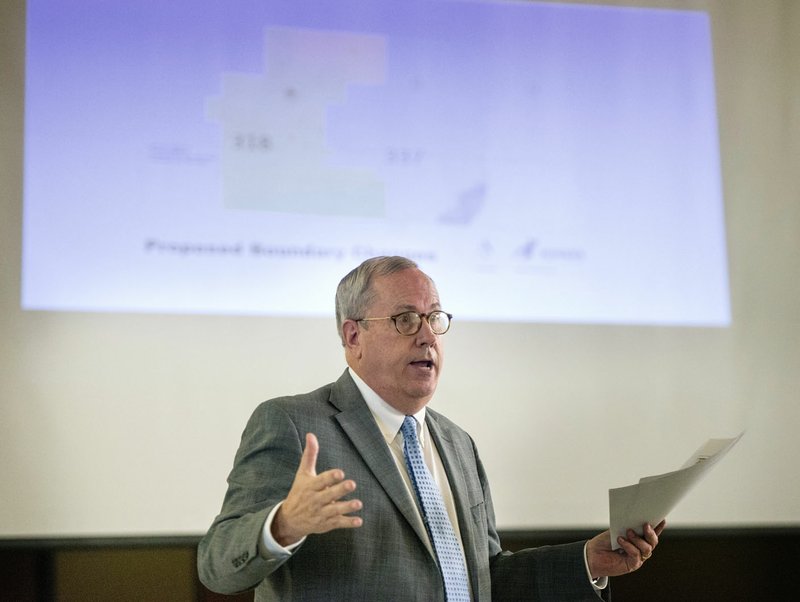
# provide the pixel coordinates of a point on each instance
(323, 502)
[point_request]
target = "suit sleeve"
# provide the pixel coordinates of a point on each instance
(547, 573)
(228, 559)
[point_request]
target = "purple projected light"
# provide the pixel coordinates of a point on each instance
(544, 162)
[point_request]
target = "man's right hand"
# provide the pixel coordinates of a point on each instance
(314, 503)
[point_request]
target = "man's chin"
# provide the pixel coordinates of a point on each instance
(422, 392)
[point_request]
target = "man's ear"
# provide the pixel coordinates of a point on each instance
(351, 334)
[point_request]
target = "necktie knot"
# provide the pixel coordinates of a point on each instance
(409, 429)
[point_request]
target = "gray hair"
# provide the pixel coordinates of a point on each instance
(355, 293)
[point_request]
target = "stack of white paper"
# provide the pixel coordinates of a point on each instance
(652, 499)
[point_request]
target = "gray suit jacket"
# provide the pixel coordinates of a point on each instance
(386, 558)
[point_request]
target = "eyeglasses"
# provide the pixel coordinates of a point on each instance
(408, 323)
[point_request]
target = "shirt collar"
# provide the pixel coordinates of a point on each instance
(389, 420)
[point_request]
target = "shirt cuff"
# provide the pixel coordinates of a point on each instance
(269, 548)
(601, 582)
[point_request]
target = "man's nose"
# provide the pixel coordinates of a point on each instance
(426, 336)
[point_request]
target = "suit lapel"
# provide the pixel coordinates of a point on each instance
(452, 455)
(358, 424)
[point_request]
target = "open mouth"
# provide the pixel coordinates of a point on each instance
(423, 364)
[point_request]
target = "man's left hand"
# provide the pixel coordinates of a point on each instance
(634, 550)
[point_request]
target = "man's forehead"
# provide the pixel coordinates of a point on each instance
(406, 289)
(401, 307)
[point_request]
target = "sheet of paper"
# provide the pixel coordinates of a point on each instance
(654, 497)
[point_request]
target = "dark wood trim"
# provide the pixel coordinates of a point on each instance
(514, 535)
(704, 563)
(71, 543)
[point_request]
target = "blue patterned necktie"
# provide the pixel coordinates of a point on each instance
(434, 514)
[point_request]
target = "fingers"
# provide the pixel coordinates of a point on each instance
(651, 538)
(308, 463)
(331, 482)
(631, 551)
(335, 514)
(640, 548)
(331, 485)
(329, 478)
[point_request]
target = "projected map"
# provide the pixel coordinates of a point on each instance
(275, 153)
